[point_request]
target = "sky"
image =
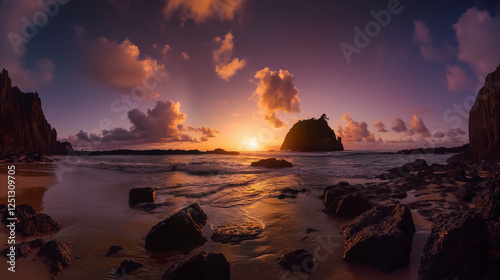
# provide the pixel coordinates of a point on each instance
(237, 74)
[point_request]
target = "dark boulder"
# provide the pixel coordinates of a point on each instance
(235, 234)
(200, 267)
(312, 135)
(23, 249)
(332, 193)
(181, 231)
(272, 163)
(128, 266)
(30, 223)
(298, 261)
(381, 237)
(113, 250)
(484, 119)
(57, 254)
(352, 205)
(141, 195)
(404, 170)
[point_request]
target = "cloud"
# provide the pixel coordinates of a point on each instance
(422, 36)
(354, 131)
(457, 78)
(202, 10)
(224, 66)
(185, 56)
(276, 93)
(398, 125)
(478, 43)
(162, 124)
(380, 126)
(13, 44)
(439, 134)
(418, 126)
(118, 64)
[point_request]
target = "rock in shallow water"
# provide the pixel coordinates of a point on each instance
(235, 234)
(30, 223)
(272, 163)
(298, 261)
(128, 266)
(345, 201)
(381, 237)
(141, 195)
(23, 249)
(57, 253)
(181, 231)
(113, 250)
(200, 267)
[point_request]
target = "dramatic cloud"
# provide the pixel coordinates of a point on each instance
(380, 126)
(276, 92)
(478, 40)
(162, 124)
(354, 131)
(224, 66)
(201, 10)
(185, 56)
(418, 126)
(398, 125)
(457, 78)
(118, 64)
(422, 36)
(13, 15)
(439, 134)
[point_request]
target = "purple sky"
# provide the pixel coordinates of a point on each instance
(238, 74)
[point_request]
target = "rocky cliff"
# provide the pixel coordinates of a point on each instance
(312, 135)
(484, 120)
(24, 129)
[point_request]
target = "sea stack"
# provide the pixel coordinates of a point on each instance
(484, 120)
(22, 123)
(312, 135)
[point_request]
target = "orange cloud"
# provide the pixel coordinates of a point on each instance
(380, 126)
(354, 131)
(202, 10)
(457, 78)
(398, 125)
(276, 92)
(224, 67)
(417, 125)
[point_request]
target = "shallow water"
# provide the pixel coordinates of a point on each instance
(90, 201)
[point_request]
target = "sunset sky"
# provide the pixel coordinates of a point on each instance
(237, 74)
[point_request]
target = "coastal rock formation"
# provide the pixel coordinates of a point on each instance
(141, 195)
(484, 120)
(29, 222)
(272, 163)
(200, 267)
(344, 201)
(128, 266)
(23, 249)
(312, 135)
(404, 170)
(381, 237)
(22, 123)
(235, 234)
(113, 250)
(298, 261)
(57, 253)
(181, 231)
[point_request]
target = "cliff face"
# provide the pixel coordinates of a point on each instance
(484, 120)
(23, 126)
(312, 135)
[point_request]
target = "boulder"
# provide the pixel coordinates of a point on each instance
(141, 195)
(298, 261)
(272, 163)
(381, 237)
(57, 254)
(332, 193)
(181, 231)
(113, 250)
(484, 119)
(200, 267)
(128, 266)
(352, 205)
(23, 249)
(312, 135)
(235, 234)
(29, 222)
(404, 170)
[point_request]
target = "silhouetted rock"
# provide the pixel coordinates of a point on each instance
(128, 266)
(220, 151)
(298, 261)
(23, 249)
(29, 222)
(312, 135)
(141, 195)
(23, 125)
(404, 170)
(438, 150)
(235, 234)
(352, 205)
(181, 231)
(333, 193)
(272, 163)
(113, 250)
(57, 254)
(484, 119)
(381, 237)
(200, 267)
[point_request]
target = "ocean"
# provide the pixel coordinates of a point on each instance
(90, 200)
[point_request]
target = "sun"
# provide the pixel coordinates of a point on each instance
(252, 143)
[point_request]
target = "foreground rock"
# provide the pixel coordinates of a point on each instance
(23, 249)
(272, 163)
(235, 234)
(344, 201)
(141, 195)
(29, 222)
(298, 261)
(57, 254)
(484, 119)
(200, 267)
(113, 250)
(312, 135)
(381, 237)
(181, 231)
(128, 266)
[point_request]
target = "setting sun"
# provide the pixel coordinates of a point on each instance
(252, 143)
